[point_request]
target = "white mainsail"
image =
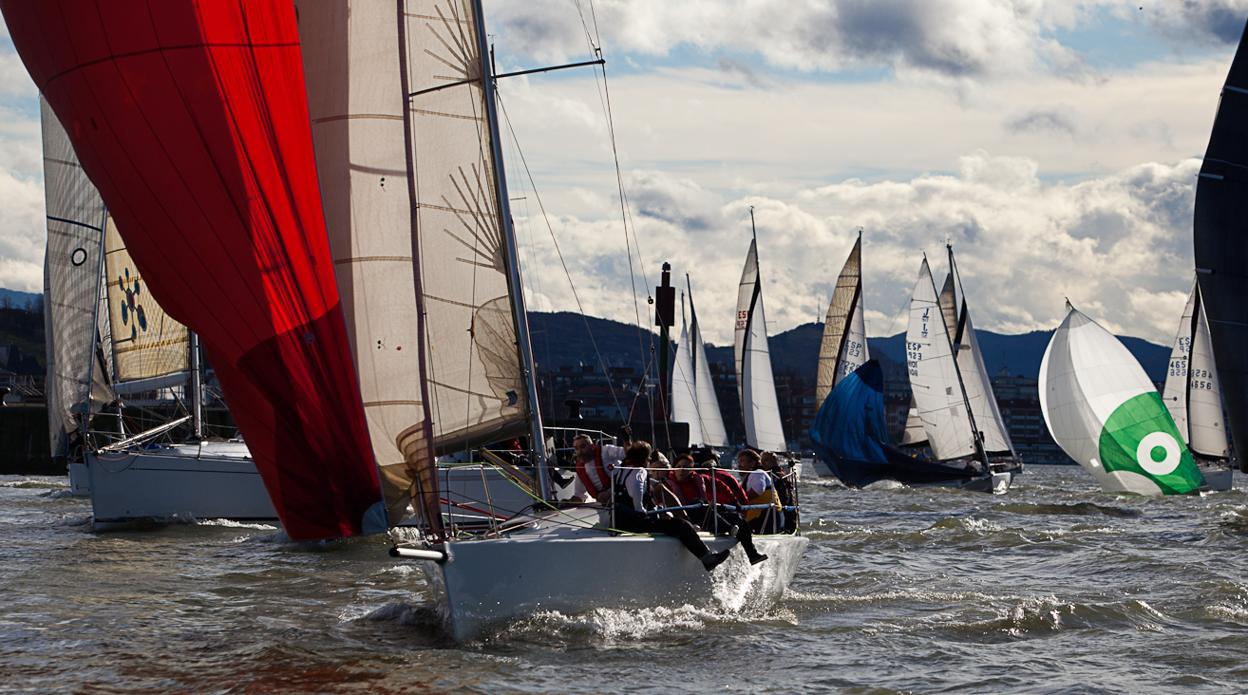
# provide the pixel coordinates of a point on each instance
(1192, 392)
(76, 382)
(934, 378)
(712, 420)
(150, 349)
(1102, 409)
(684, 388)
(1174, 391)
(844, 345)
(1205, 424)
(759, 406)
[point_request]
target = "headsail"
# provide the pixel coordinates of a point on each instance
(1205, 423)
(75, 219)
(684, 388)
(844, 345)
(1174, 392)
(713, 431)
(207, 166)
(985, 412)
(356, 101)
(759, 406)
(934, 374)
(1221, 246)
(476, 387)
(1102, 410)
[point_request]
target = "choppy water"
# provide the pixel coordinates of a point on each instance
(1054, 587)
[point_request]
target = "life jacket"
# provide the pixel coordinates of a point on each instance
(767, 496)
(594, 474)
(623, 500)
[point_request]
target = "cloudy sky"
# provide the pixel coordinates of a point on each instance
(1054, 142)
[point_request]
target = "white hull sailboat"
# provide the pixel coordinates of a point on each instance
(756, 383)
(108, 339)
(563, 563)
(693, 390)
(380, 323)
(952, 394)
(1193, 395)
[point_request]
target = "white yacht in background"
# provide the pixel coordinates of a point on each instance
(108, 344)
(1193, 395)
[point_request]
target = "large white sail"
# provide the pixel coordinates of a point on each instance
(979, 390)
(149, 348)
(759, 406)
(352, 61)
(746, 291)
(1174, 392)
(1205, 422)
(934, 374)
(684, 388)
(477, 393)
(1102, 409)
(411, 204)
(76, 383)
(712, 420)
(844, 345)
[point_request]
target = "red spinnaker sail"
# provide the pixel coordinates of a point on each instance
(192, 120)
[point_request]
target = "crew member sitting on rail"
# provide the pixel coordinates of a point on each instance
(719, 516)
(593, 465)
(759, 489)
(661, 484)
(784, 490)
(633, 504)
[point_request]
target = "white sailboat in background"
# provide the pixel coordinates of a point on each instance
(1193, 395)
(107, 340)
(693, 391)
(756, 384)
(1104, 412)
(949, 397)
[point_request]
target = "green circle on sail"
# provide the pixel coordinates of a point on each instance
(1141, 437)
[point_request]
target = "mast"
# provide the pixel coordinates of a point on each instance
(528, 371)
(978, 436)
(197, 388)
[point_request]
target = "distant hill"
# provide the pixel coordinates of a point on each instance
(19, 300)
(562, 339)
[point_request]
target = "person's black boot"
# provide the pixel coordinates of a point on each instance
(712, 560)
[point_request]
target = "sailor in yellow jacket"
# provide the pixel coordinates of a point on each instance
(759, 489)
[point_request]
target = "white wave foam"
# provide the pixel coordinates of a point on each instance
(230, 523)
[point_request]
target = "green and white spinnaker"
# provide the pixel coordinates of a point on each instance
(1104, 412)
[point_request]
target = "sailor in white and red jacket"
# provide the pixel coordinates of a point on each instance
(594, 464)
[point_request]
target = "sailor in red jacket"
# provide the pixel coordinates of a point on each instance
(693, 488)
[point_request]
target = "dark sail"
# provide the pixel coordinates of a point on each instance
(1221, 242)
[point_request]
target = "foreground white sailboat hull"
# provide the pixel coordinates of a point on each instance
(556, 567)
(210, 480)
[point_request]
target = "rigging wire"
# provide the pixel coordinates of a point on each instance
(562, 261)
